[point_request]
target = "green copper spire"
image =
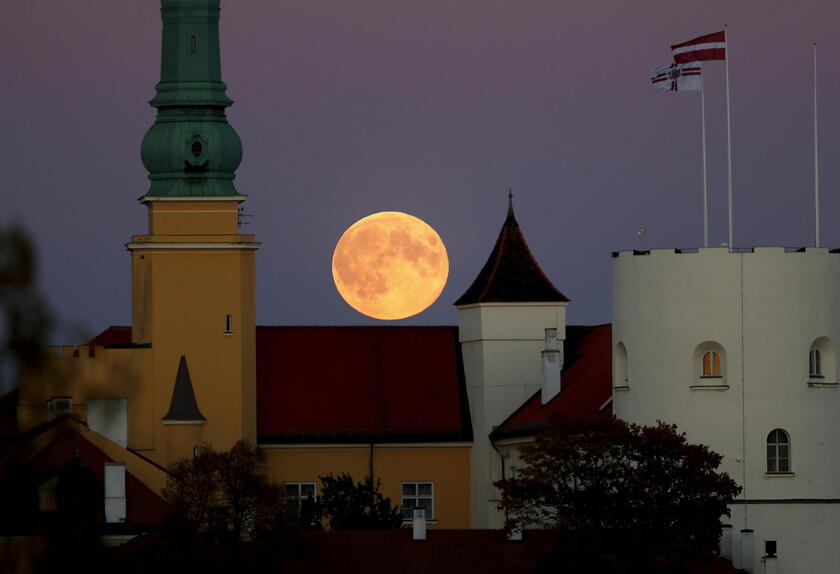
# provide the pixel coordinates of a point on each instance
(191, 150)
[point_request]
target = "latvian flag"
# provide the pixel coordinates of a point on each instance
(677, 77)
(708, 47)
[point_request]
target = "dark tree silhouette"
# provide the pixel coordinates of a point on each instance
(621, 496)
(356, 506)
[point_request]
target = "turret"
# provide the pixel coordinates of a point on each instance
(502, 319)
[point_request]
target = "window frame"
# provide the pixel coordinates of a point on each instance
(774, 459)
(815, 370)
(714, 364)
(407, 517)
(298, 497)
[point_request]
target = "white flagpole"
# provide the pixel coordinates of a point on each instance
(728, 135)
(705, 186)
(816, 157)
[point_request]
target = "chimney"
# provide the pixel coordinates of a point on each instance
(552, 364)
(419, 524)
(747, 550)
(726, 542)
(114, 492)
(109, 417)
(770, 557)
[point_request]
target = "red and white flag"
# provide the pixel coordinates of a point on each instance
(677, 77)
(708, 47)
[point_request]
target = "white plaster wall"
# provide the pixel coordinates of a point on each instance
(109, 417)
(765, 308)
(501, 345)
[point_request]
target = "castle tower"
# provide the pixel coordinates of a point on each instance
(502, 319)
(193, 273)
(739, 350)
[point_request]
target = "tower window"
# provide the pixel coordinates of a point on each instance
(228, 324)
(778, 451)
(193, 46)
(711, 364)
(815, 363)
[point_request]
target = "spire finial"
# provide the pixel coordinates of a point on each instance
(511, 218)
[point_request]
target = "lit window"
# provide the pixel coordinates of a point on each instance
(815, 363)
(778, 451)
(711, 364)
(299, 493)
(417, 495)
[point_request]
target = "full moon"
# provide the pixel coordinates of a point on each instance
(390, 265)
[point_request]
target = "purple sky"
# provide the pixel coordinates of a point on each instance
(432, 107)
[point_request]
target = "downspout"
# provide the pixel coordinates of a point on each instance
(501, 457)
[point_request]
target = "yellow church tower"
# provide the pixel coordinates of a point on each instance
(193, 298)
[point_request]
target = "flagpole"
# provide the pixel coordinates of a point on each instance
(816, 157)
(728, 134)
(705, 186)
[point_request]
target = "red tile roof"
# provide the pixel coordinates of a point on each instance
(586, 384)
(511, 273)
(443, 552)
(144, 507)
(358, 384)
(115, 335)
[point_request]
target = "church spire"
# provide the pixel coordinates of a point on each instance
(191, 150)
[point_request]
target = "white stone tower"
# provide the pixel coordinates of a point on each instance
(738, 350)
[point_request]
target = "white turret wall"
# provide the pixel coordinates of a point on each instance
(501, 345)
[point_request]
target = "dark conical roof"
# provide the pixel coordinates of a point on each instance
(183, 406)
(511, 274)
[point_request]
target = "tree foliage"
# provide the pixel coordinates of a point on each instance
(627, 495)
(225, 492)
(26, 320)
(356, 506)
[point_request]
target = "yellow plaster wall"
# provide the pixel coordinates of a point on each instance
(91, 374)
(193, 218)
(447, 468)
(180, 440)
(192, 271)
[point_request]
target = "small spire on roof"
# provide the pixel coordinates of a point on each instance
(183, 406)
(511, 218)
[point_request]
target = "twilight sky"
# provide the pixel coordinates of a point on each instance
(432, 107)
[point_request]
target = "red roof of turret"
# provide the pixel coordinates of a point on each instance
(511, 273)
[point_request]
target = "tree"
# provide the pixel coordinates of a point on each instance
(359, 506)
(621, 496)
(225, 492)
(26, 320)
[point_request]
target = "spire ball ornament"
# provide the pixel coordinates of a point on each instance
(390, 265)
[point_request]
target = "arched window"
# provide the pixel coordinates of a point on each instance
(711, 364)
(815, 363)
(622, 377)
(821, 363)
(778, 451)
